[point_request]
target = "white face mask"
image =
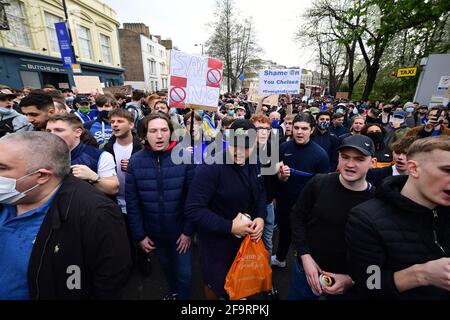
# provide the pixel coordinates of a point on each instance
(8, 191)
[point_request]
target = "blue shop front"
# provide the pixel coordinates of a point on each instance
(19, 69)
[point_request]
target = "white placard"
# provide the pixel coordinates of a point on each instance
(444, 83)
(194, 80)
(280, 81)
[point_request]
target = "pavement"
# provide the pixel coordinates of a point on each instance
(154, 286)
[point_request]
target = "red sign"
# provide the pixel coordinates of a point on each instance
(177, 93)
(214, 77)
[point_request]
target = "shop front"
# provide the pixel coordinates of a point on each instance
(19, 69)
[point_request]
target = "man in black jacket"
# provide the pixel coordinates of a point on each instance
(399, 243)
(59, 237)
(318, 222)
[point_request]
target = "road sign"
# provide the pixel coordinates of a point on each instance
(406, 72)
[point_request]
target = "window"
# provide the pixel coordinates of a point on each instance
(105, 43)
(50, 20)
(163, 68)
(84, 39)
(151, 49)
(18, 32)
(161, 53)
(152, 66)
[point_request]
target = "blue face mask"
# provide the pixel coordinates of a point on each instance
(230, 113)
(409, 110)
(275, 124)
(103, 114)
(5, 111)
(339, 110)
(355, 111)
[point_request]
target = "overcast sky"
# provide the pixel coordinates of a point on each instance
(185, 22)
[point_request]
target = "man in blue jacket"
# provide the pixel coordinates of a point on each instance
(300, 159)
(155, 194)
(100, 128)
(218, 196)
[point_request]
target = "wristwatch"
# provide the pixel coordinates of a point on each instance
(97, 179)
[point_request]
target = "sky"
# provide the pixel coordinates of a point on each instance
(185, 22)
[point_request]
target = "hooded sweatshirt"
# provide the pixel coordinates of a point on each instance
(19, 122)
(392, 232)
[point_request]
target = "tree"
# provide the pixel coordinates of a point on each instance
(325, 30)
(373, 35)
(373, 24)
(233, 42)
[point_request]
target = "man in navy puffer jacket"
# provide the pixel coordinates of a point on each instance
(155, 194)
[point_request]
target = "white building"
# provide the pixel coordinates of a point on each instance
(145, 57)
(155, 63)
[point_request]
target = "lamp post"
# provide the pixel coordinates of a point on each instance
(199, 44)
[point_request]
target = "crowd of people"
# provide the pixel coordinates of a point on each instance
(91, 184)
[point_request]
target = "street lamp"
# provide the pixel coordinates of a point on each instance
(199, 44)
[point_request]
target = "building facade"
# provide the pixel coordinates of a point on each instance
(29, 50)
(144, 57)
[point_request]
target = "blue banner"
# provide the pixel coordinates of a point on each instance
(64, 44)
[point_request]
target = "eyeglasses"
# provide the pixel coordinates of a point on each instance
(262, 129)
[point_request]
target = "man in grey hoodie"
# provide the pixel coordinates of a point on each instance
(10, 120)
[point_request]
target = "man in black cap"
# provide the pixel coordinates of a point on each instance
(218, 195)
(82, 107)
(10, 120)
(319, 218)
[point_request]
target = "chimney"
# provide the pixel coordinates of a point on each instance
(167, 44)
(138, 28)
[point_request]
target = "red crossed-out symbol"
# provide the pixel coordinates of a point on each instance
(177, 94)
(214, 77)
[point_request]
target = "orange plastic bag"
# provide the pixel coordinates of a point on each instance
(250, 272)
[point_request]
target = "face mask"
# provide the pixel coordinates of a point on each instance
(323, 125)
(8, 192)
(70, 99)
(241, 117)
(377, 137)
(340, 110)
(371, 120)
(103, 114)
(410, 110)
(84, 110)
(275, 124)
(5, 111)
(201, 112)
(387, 110)
(355, 111)
(230, 113)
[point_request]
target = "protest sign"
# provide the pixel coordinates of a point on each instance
(341, 95)
(279, 81)
(194, 81)
(87, 84)
(126, 90)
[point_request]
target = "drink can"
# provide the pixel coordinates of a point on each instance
(244, 217)
(122, 163)
(326, 280)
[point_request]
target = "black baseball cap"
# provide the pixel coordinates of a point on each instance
(81, 99)
(362, 143)
(7, 95)
(243, 132)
